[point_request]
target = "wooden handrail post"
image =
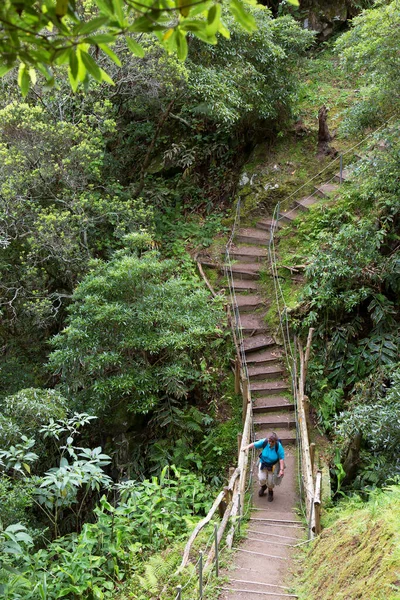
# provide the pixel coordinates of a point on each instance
(245, 389)
(317, 502)
(239, 443)
(237, 376)
(312, 455)
(308, 348)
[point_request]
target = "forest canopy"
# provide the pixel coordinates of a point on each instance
(38, 36)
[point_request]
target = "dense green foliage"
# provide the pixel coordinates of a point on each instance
(147, 517)
(114, 356)
(369, 50)
(138, 333)
(44, 35)
(352, 299)
(91, 184)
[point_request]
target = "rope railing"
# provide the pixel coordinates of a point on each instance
(339, 159)
(233, 496)
(296, 359)
(309, 486)
(289, 347)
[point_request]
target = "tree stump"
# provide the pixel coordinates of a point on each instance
(323, 131)
(324, 137)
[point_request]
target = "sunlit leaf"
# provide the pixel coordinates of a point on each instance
(134, 47)
(24, 80)
(111, 54)
(243, 17)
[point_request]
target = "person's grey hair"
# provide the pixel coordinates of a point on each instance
(273, 436)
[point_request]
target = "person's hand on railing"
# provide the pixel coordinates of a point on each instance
(247, 447)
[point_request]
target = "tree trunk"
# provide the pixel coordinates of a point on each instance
(323, 131)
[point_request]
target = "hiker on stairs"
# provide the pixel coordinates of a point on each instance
(272, 454)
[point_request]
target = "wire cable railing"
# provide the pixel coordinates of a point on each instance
(239, 507)
(240, 485)
(339, 158)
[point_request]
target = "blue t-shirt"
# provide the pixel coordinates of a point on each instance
(270, 455)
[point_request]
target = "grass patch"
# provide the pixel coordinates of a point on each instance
(358, 555)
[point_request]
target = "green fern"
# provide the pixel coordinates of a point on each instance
(157, 571)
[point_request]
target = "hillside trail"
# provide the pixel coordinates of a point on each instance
(263, 560)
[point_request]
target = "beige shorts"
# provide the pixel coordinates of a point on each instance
(266, 477)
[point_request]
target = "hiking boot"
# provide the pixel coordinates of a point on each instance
(270, 495)
(262, 490)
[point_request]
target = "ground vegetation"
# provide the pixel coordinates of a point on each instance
(118, 418)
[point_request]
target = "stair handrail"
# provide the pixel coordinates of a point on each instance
(234, 494)
(289, 346)
(237, 325)
(235, 506)
(340, 157)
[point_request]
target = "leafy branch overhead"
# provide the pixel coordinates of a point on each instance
(39, 36)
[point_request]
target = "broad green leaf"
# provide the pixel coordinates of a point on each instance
(61, 8)
(90, 26)
(106, 7)
(73, 64)
(62, 56)
(105, 77)
(111, 54)
(74, 82)
(168, 34)
(82, 71)
(181, 45)
(204, 37)
(294, 2)
(24, 80)
(15, 527)
(91, 66)
(213, 18)
(188, 25)
(47, 73)
(184, 7)
(118, 10)
(245, 19)
(134, 47)
(5, 69)
(32, 75)
(200, 8)
(224, 31)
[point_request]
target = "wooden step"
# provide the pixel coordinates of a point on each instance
(326, 189)
(346, 175)
(287, 436)
(264, 357)
(257, 342)
(305, 203)
(263, 373)
(248, 254)
(248, 302)
(252, 324)
(290, 215)
(251, 235)
(243, 285)
(268, 223)
(259, 405)
(262, 388)
(274, 421)
(245, 271)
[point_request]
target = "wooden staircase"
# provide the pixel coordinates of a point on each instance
(267, 374)
(274, 528)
